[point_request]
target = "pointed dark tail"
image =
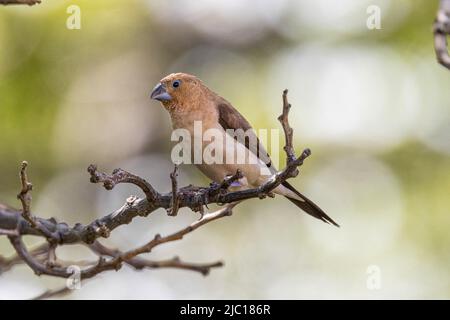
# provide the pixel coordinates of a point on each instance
(308, 206)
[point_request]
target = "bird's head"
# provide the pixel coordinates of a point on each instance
(177, 89)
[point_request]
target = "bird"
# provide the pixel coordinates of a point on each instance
(189, 101)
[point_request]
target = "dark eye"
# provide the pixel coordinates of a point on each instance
(176, 84)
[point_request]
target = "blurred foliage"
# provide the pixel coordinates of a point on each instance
(56, 86)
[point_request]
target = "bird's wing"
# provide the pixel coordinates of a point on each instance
(230, 118)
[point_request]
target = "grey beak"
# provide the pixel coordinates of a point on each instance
(159, 93)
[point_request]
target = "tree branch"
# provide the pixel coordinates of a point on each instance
(288, 131)
(43, 260)
(25, 198)
(26, 2)
(140, 263)
(441, 30)
(121, 176)
(128, 257)
(173, 211)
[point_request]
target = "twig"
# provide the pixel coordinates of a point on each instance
(217, 188)
(51, 255)
(158, 239)
(173, 211)
(26, 2)
(140, 263)
(25, 198)
(288, 131)
(122, 176)
(25, 195)
(177, 263)
(441, 30)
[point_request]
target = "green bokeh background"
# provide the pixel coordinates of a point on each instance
(373, 105)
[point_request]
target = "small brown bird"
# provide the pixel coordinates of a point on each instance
(188, 101)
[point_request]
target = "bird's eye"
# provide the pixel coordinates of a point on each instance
(176, 84)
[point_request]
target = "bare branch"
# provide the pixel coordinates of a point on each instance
(288, 131)
(140, 263)
(40, 268)
(217, 188)
(122, 176)
(25, 195)
(51, 256)
(175, 262)
(158, 239)
(173, 211)
(441, 30)
(15, 224)
(25, 198)
(102, 265)
(26, 2)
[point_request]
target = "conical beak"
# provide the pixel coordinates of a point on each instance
(159, 93)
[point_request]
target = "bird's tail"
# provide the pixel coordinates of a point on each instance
(307, 205)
